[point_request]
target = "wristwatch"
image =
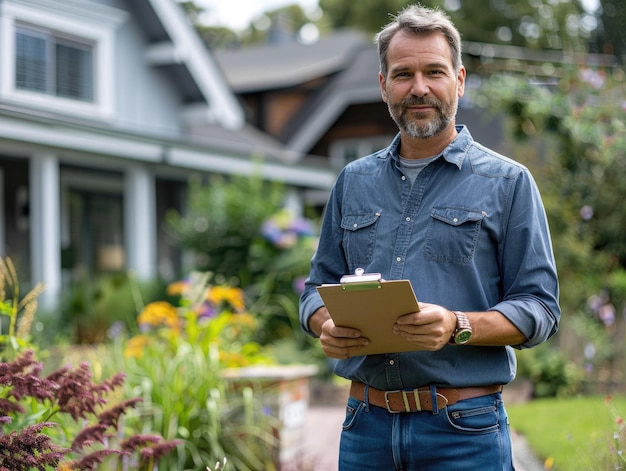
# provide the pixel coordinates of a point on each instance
(463, 332)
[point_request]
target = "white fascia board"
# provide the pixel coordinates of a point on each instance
(325, 115)
(309, 177)
(163, 53)
(189, 48)
(77, 140)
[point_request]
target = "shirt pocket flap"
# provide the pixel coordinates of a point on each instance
(456, 217)
(354, 222)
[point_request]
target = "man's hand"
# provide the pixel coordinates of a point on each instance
(337, 342)
(430, 329)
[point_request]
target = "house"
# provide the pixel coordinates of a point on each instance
(107, 107)
(323, 99)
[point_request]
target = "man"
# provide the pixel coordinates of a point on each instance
(467, 227)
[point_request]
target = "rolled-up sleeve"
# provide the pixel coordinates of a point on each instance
(529, 274)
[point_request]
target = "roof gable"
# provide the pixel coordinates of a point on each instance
(274, 66)
(176, 46)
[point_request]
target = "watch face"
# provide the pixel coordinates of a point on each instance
(462, 336)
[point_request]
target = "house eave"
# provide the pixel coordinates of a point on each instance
(75, 142)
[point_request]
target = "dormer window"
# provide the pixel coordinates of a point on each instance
(49, 63)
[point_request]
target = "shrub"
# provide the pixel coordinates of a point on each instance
(550, 371)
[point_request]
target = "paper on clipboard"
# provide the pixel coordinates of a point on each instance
(370, 304)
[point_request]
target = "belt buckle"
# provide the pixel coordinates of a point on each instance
(405, 400)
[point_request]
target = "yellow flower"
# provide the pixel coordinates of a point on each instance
(177, 287)
(233, 359)
(135, 345)
(159, 313)
(549, 463)
(229, 294)
(243, 320)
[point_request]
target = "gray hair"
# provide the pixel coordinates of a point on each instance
(419, 20)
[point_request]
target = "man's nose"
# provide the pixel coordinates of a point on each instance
(420, 86)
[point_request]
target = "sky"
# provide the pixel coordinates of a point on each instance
(238, 14)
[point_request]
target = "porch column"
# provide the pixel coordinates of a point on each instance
(140, 223)
(45, 226)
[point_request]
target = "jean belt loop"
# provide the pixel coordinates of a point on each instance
(433, 399)
(366, 397)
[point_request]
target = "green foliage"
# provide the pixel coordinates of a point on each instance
(91, 307)
(286, 21)
(552, 373)
(60, 420)
(539, 24)
(582, 122)
(175, 365)
(575, 131)
(185, 397)
(223, 220)
(612, 32)
(572, 434)
(239, 231)
(366, 15)
(18, 311)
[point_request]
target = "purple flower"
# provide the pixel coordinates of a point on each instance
(206, 310)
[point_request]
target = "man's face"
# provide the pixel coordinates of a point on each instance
(421, 88)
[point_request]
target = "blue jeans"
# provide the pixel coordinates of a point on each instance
(472, 434)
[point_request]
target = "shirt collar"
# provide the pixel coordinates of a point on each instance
(455, 152)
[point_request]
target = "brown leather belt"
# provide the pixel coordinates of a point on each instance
(416, 400)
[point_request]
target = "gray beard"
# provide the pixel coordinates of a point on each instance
(429, 129)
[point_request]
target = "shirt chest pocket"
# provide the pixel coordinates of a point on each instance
(359, 237)
(452, 235)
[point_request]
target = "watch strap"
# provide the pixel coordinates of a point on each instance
(463, 331)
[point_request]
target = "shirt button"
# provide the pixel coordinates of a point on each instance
(391, 362)
(456, 220)
(403, 178)
(355, 225)
(398, 259)
(408, 219)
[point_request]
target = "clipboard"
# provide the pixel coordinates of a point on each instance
(367, 302)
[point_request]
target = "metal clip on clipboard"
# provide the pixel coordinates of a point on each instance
(360, 281)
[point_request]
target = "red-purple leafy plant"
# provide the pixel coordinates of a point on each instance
(60, 421)
(97, 436)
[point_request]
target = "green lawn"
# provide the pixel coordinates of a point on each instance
(576, 433)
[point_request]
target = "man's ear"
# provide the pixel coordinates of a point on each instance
(383, 92)
(461, 82)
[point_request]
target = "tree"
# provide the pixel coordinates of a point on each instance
(277, 25)
(612, 32)
(537, 23)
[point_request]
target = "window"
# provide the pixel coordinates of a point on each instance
(50, 64)
(343, 151)
(59, 56)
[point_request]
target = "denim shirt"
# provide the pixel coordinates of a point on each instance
(471, 234)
